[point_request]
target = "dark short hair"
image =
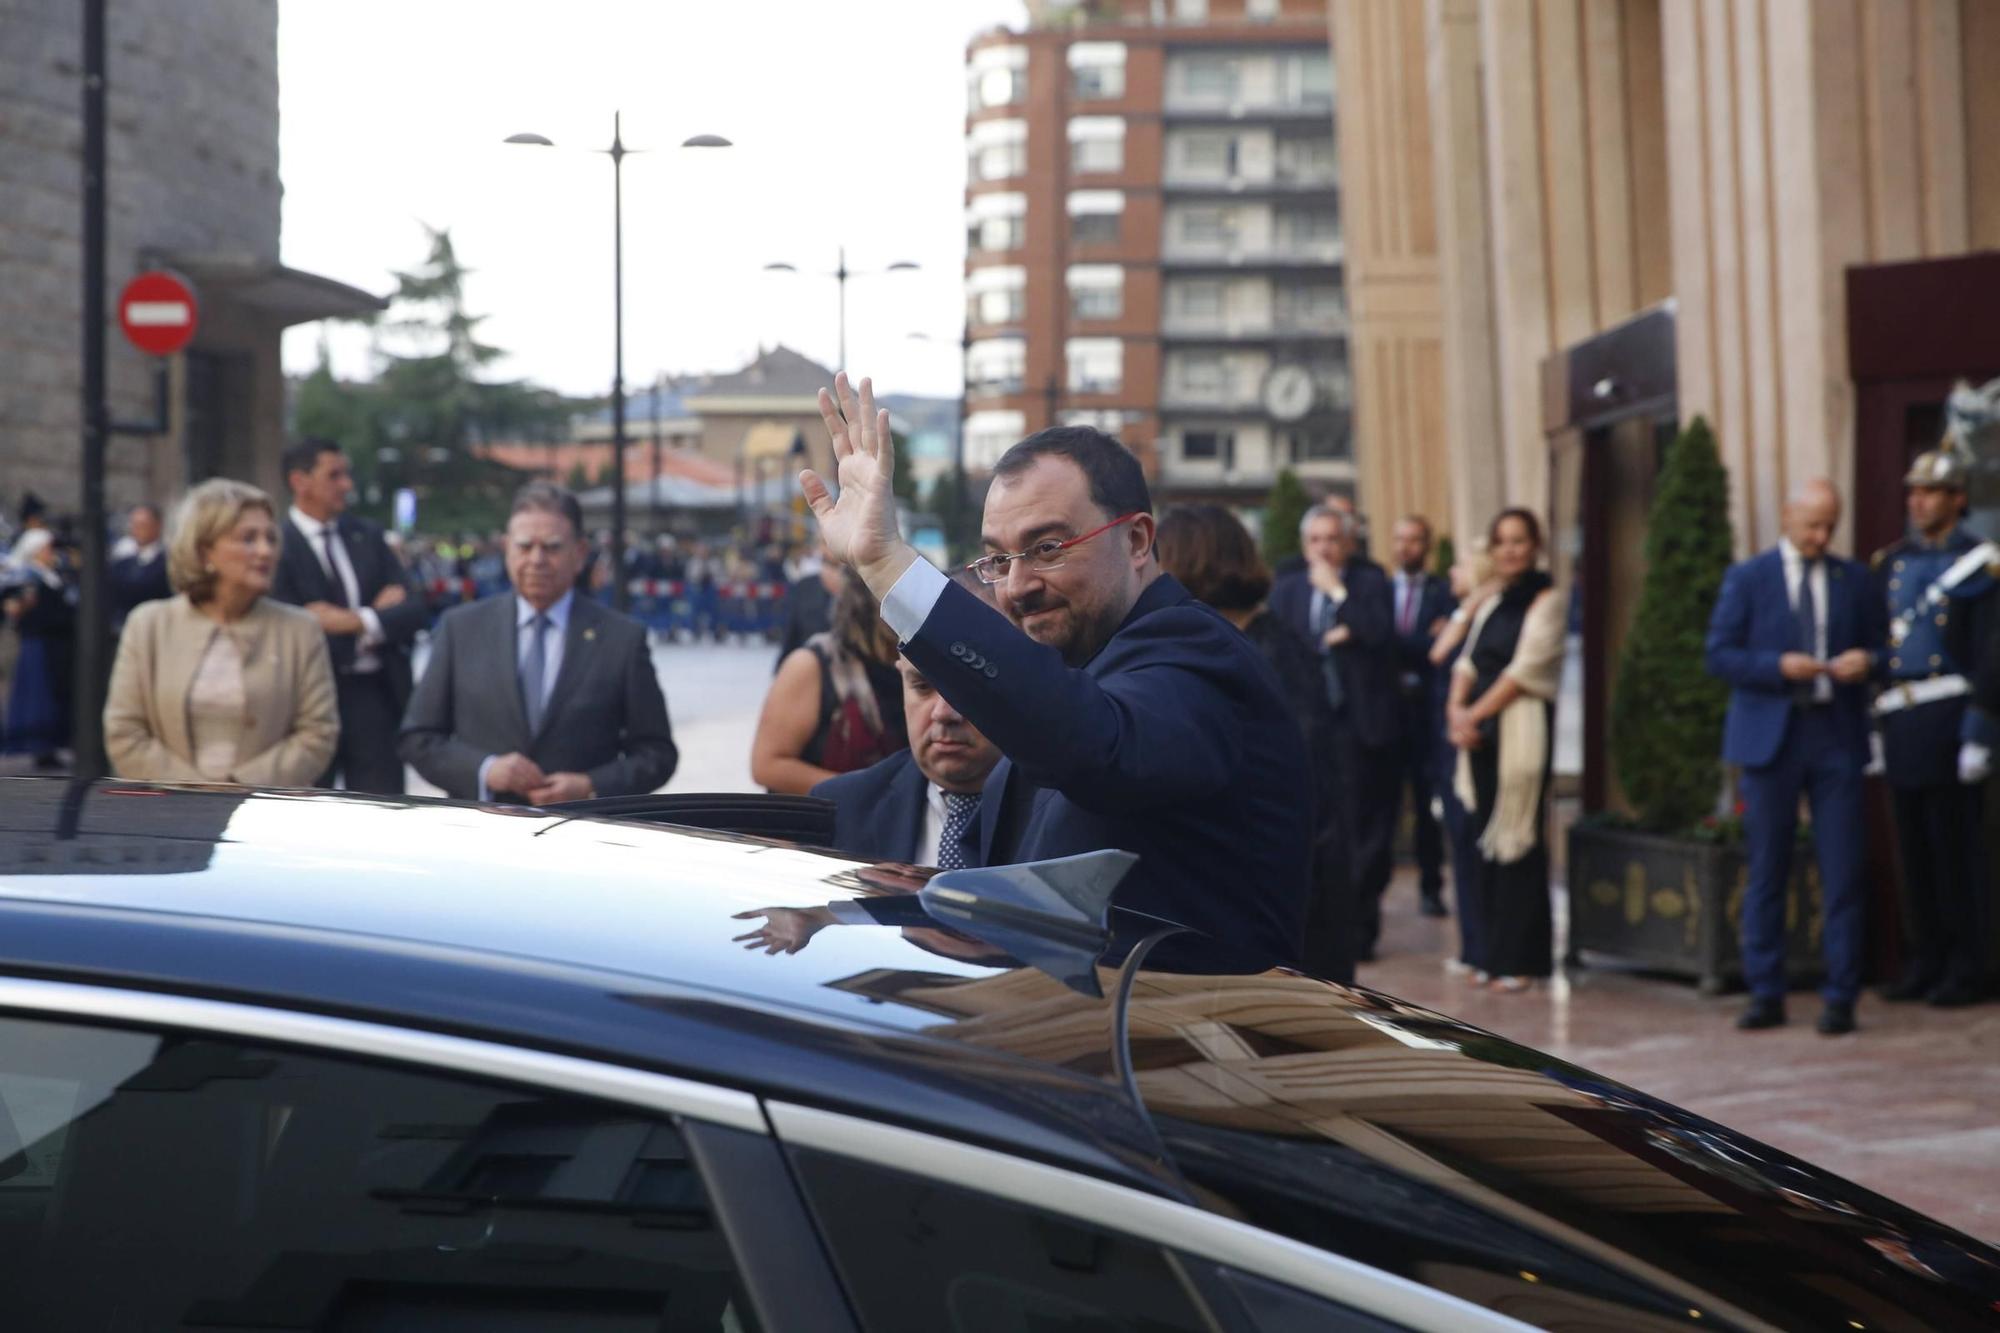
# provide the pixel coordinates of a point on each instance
(1209, 550)
(1117, 482)
(1528, 520)
(1422, 522)
(148, 507)
(304, 455)
(545, 497)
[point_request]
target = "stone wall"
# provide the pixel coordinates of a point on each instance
(192, 148)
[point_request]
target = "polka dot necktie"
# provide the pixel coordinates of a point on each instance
(960, 809)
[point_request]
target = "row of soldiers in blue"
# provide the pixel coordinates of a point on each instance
(1838, 670)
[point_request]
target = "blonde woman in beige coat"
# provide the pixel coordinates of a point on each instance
(220, 683)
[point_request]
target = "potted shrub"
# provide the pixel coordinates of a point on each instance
(1663, 887)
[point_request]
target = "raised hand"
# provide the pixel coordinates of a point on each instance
(860, 528)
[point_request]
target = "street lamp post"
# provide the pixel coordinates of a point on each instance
(621, 594)
(841, 275)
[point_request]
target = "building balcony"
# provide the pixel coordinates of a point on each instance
(1192, 401)
(1184, 108)
(995, 388)
(1291, 184)
(1183, 254)
(1215, 329)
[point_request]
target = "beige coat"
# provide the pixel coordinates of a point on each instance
(290, 720)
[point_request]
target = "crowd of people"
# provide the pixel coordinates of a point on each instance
(1101, 677)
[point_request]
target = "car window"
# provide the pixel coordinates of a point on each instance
(153, 1181)
(1273, 1307)
(920, 1256)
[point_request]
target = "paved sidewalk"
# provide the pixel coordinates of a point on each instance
(1909, 1106)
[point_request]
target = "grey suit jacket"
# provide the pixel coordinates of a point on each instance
(606, 716)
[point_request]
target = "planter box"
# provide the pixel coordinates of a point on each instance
(1674, 905)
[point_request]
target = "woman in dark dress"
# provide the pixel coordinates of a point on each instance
(1501, 719)
(1208, 549)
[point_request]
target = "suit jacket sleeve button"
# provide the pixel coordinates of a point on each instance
(958, 650)
(992, 672)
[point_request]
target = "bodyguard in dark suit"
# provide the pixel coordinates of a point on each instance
(338, 567)
(1938, 588)
(1342, 609)
(141, 574)
(1422, 602)
(1131, 716)
(580, 713)
(919, 806)
(1791, 634)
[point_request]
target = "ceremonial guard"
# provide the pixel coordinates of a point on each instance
(1939, 582)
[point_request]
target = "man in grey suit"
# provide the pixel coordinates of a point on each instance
(580, 715)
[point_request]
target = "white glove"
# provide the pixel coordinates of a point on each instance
(1877, 765)
(1975, 761)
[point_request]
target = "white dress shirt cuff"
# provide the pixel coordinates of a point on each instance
(908, 604)
(485, 792)
(371, 629)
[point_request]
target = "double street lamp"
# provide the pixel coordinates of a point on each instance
(841, 275)
(621, 594)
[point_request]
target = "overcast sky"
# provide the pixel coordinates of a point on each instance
(848, 122)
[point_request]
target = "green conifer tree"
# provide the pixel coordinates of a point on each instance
(1666, 710)
(1283, 509)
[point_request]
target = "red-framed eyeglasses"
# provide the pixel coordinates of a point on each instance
(1043, 556)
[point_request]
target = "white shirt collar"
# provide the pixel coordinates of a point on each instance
(1790, 553)
(558, 613)
(309, 525)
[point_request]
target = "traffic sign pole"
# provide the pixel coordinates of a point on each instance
(93, 640)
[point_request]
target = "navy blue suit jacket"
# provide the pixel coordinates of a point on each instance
(1413, 650)
(878, 811)
(1753, 626)
(1174, 743)
(1367, 661)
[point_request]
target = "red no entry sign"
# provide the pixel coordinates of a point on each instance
(157, 312)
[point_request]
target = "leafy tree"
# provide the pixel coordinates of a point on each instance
(1666, 711)
(957, 512)
(415, 423)
(1284, 509)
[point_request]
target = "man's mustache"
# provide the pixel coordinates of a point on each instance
(1033, 602)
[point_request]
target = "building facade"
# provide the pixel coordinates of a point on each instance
(1154, 244)
(1530, 175)
(192, 185)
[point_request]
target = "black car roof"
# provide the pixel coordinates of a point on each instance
(1366, 1121)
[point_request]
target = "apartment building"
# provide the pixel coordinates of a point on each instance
(1153, 241)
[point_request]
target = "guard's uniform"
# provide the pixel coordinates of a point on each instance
(1941, 600)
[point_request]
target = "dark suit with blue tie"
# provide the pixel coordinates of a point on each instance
(1793, 738)
(1174, 742)
(1362, 687)
(878, 814)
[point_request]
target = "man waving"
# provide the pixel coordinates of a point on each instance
(1130, 715)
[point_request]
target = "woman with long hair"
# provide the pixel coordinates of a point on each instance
(1501, 719)
(836, 704)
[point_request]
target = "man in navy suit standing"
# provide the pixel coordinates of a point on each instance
(1340, 605)
(339, 567)
(1791, 634)
(1422, 603)
(920, 805)
(1132, 717)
